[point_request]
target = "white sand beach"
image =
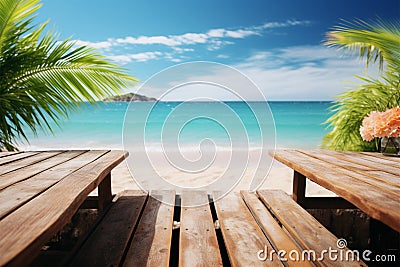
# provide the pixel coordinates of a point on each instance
(279, 176)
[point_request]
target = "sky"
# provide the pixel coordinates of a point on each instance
(278, 44)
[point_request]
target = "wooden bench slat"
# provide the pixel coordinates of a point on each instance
(383, 164)
(106, 245)
(16, 195)
(376, 203)
(8, 153)
(25, 230)
(383, 181)
(369, 173)
(391, 161)
(8, 158)
(242, 236)
(276, 235)
(336, 160)
(25, 161)
(151, 242)
(306, 230)
(198, 245)
(31, 170)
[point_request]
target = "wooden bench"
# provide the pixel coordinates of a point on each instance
(40, 191)
(237, 230)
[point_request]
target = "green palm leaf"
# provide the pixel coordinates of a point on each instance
(42, 79)
(380, 42)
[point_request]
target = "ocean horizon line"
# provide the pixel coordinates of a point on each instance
(223, 101)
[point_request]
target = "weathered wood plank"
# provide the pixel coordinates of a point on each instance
(376, 203)
(373, 174)
(198, 245)
(242, 236)
(26, 161)
(392, 161)
(151, 243)
(18, 194)
(304, 228)
(25, 230)
(17, 156)
(336, 161)
(369, 160)
(31, 170)
(279, 239)
(7, 153)
(106, 245)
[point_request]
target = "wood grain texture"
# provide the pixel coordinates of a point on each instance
(151, 243)
(279, 239)
(366, 171)
(24, 231)
(27, 171)
(18, 194)
(106, 245)
(377, 203)
(393, 161)
(242, 236)
(25, 161)
(7, 157)
(383, 164)
(7, 153)
(198, 245)
(303, 227)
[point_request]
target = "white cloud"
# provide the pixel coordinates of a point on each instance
(218, 33)
(259, 56)
(148, 40)
(217, 44)
(138, 57)
(182, 50)
(213, 39)
(240, 33)
(288, 23)
(97, 45)
(216, 38)
(296, 73)
(302, 72)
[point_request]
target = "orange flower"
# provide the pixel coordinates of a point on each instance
(381, 124)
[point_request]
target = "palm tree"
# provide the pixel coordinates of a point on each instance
(41, 78)
(378, 42)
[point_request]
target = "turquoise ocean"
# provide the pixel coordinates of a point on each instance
(297, 124)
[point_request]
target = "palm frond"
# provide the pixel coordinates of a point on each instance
(350, 109)
(15, 13)
(41, 78)
(379, 42)
(372, 42)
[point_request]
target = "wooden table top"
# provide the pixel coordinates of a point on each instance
(41, 191)
(370, 181)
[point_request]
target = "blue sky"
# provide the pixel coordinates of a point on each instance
(278, 44)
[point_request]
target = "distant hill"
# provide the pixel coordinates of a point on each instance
(129, 97)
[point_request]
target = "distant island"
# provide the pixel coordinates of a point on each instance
(129, 97)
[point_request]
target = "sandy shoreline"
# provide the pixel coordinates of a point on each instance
(279, 177)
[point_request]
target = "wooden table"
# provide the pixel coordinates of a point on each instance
(369, 181)
(41, 191)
